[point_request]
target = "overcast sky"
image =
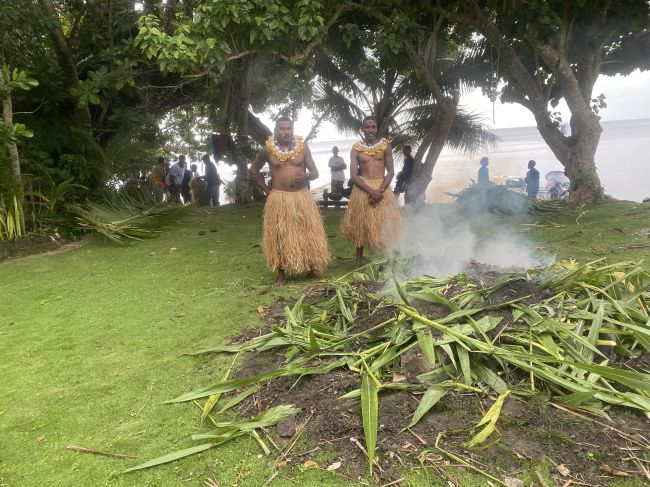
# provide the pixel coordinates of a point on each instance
(628, 97)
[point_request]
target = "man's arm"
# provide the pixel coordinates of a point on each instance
(310, 165)
(338, 165)
(390, 169)
(254, 171)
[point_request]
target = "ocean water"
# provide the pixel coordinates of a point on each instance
(623, 160)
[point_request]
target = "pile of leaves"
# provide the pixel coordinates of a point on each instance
(501, 200)
(575, 337)
(122, 218)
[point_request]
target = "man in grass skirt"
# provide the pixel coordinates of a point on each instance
(372, 218)
(293, 235)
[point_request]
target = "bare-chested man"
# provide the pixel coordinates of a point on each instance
(293, 236)
(372, 218)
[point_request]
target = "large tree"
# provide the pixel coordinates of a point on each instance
(550, 50)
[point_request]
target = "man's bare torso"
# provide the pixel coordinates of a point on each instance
(372, 166)
(287, 175)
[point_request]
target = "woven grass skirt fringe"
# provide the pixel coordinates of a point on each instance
(378, 226)
(293, 236)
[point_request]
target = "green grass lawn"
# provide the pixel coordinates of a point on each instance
(91, 339)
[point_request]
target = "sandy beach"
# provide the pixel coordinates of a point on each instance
(621, 159)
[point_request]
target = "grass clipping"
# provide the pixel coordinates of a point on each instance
(554, 346)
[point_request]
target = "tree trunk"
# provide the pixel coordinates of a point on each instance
(443, 121)
(64, 55)
(7, 115)
(577, 154)
(243, 191)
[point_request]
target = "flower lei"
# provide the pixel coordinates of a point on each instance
(373, 149)
(285, 153)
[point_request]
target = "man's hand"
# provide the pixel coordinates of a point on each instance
(375, 196)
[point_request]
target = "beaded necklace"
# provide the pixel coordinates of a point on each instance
(285, 153)
(372, 149)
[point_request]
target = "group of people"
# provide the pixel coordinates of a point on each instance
(531, 181)
(179, 184)
(293, 236)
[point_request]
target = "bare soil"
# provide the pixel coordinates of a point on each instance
(34, 245)
(578, 449)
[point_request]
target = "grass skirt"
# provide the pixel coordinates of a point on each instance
(293, 236)
(377, 226)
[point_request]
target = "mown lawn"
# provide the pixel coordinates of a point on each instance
(91, 339)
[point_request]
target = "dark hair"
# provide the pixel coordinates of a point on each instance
(484, 161)
(206, 157)
(369, 117)
(532, 162)
(407, 147)
(283, 118)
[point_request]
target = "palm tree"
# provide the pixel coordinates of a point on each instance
(360, 82)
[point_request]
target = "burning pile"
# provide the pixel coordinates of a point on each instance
(575, 333)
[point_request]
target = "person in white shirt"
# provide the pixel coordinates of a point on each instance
(338, 166)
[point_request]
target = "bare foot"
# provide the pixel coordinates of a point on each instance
(314, 274)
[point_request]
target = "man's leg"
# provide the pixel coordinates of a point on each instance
(359, 257)
(215, 201)
(281, 278)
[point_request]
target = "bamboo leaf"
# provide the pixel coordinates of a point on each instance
(636, 380)
(490, 377)
(425, 340)
(489, 420)
(430, 398)
(400, 290)
(170, 457)
(370, 415)
(463, 359)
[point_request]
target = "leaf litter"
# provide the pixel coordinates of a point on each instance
(481, 357)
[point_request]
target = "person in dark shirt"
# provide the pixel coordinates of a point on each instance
(404, 176)
(484, 172)
(211, 193)
(532, 180)
(185, 185)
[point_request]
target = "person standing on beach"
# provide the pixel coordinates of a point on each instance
(532, 180)
(337, 166)
(372, 218)
(484, 172)
(293, 237)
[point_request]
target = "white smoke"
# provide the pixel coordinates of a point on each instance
(442, 240)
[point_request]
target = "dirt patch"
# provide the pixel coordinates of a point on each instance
(34, 245)
(528, 430)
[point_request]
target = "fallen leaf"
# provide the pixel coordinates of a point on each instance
(181, 314)
(397, 377)
(40, 438)
(281, 464)
(563, 470)
(614, 471)
(322, 280)
(173, 249)
(310, 464)
(260, 309)
(334, 466)
(567, 483)
(211, 252)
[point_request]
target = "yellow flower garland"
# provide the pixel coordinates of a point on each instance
(283, 154)
(371, 150)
